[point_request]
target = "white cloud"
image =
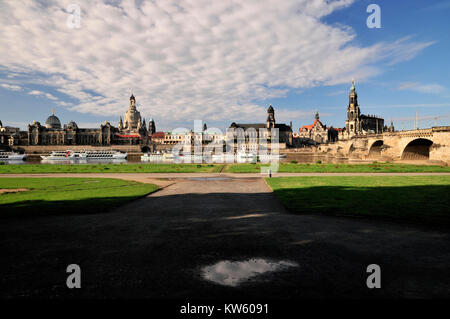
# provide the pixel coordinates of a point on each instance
(50, 96)
(11, 87)
(35, 92)
(186, 59)
(422, 88)
(40, 93)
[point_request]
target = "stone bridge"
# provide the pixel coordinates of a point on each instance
(424, 144)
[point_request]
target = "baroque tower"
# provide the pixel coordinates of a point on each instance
(270, 117)
(132, 121)
(353, 122)
(151, 127)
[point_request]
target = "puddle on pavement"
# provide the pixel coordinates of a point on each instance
(209, 178)
(233, 273)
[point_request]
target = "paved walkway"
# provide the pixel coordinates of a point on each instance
(156, 178)
(157, 246)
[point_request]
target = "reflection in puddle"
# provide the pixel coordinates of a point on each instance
(233, 273)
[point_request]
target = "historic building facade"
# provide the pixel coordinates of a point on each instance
(132, 131)
(53, 133)
(7, 135)
(253, 133)
(317, 132)
(357, 123)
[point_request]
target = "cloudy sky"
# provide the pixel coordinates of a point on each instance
(222, 61)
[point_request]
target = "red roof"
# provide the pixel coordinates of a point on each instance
(309, 127)
(158, 135)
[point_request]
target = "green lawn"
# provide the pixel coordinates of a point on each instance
(421, 199)
(340, 168)
(67, 195)
(216, 168)
(109, 168)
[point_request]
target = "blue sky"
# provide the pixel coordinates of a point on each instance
(225, 63)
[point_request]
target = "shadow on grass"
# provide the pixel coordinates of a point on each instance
(428, 204)
(39, 208)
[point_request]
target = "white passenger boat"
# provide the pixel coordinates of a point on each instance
(271, 156)
(152, 157)
(104, 155)
(84, 155)
(61, 155)
(12, 156)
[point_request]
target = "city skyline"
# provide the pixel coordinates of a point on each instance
(300, 66)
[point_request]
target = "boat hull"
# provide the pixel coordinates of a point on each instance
(15, 157)
(86, 156)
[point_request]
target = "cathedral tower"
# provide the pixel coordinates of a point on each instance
(151, 127)
(352, 124)
(132, 121)
(270, 117)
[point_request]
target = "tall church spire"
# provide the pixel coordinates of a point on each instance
(270, 117)
(132, 101)
(352, 124)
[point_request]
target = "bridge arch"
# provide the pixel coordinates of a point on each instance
(145, 149)
(417, 149)
(375, 149)
(350, 148)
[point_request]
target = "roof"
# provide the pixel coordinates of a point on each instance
(364, 116)
(52, 120)
(158, 135)
(309, 127)
(72, 124)
(246, 126)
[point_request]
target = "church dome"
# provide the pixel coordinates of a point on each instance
(53, 122)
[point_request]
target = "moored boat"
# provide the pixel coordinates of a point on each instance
(104, 155)
(13, 156)
(61, 155)
(84, 155)
(152, 157)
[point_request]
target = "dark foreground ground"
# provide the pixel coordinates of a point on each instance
(156, 246)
